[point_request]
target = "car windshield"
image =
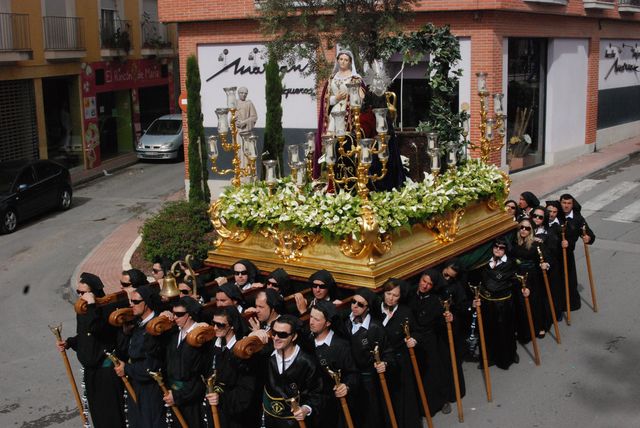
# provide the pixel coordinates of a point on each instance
(165, 127)
(7, 176)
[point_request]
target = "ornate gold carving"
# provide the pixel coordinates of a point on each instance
(289, 244)
(445, 226)
(222, 232)
(370, 239)
(493, 204)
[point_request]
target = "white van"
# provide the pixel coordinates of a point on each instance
(163, 139)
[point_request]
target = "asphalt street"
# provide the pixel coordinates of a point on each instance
(36, 264)
(591, 379)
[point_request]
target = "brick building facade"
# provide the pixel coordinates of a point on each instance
(569, 69)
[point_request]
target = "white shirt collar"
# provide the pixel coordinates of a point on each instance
(570, 215)
(356, 326)
(147, 319)
(183, 333)
(493, 264)
(555, 221)
(326, 340)
(287, 361)
(229, 344)
(387, 316)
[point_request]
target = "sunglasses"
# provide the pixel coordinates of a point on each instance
(82, 293)
(185, 292)
(156, 270)
(239, 272)
(135, 301)
(272, 283)
(527, 228)
(320, 286)
(511, 207)
(179, 314)
(500, 247)
(219, 324)
(359, 304)
(125, 284)
(538, 216)
(280, 334)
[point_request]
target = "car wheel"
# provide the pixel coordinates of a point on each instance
(9, 221)
(64, 200)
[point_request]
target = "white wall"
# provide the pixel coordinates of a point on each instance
(566, 108)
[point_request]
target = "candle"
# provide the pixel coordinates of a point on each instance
(213, 146)
(489, 129)
(432, 140)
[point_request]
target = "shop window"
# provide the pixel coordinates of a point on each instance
(527, 75)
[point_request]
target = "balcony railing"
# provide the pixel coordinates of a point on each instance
(14, 32)
(599, 4)
(629, 5)
(115, 34)
(63, 33)
(155, 35)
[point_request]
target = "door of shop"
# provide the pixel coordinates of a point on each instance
(115, 123)
(526, 93)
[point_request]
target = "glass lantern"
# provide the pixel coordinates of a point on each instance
(381, 120)
(270, 171)
(355, 100)
(489, 129)
(329, 149)
(435, 160)
(250, 141)
(365, 150)
(293, 152)
(213, 146)
(498, 107)
(310, 144)
(383, 154)
(339, 123)
(301, 174)
(432, 140)
(482, 81)
(452, 158)
(223, 120)
(232, 101)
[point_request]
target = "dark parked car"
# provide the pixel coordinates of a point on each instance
(31, 187)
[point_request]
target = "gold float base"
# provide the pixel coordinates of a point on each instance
(411, 252)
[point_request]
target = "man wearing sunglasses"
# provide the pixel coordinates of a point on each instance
(185, 364)
(236, 401)
(269, 306)
(132, 279)
(291, 374)
(333, 352)
(498, 284)
(367, 333)
(144, 355)
(103, 389)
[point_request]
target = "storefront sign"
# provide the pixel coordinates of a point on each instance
(618, 67)
(239, 65)
(621, 67)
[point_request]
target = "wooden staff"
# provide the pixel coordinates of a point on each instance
(335, 375)
(115, 360)
(212, 387)
(157, 376)
(385, 388)
(523, 281)
(483, 346)
(454, 364)
(293, 403)
(566, 275)
(592, 283)
(416, 374)
(57, 332)
(549, 298)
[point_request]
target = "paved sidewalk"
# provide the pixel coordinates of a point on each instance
(112, 255)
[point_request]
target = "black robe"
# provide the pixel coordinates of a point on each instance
(370, 409)
(144, 354)
(552, 251)
(498, 314)
(236, 407)
(403, 388)
(573, 233)
(432, 349)
(103, 387)
(301, 379)
(336, 356)
(184, 367)
(528, 263)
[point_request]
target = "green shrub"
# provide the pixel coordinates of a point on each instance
(178, 229)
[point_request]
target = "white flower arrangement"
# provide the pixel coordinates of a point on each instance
(334, 215)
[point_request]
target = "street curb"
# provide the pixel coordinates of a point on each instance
(75, 277)
(126, 259)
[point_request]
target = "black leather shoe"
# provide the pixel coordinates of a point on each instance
(516, 358)
(446, 409)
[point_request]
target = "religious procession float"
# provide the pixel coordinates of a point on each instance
(330, 213)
